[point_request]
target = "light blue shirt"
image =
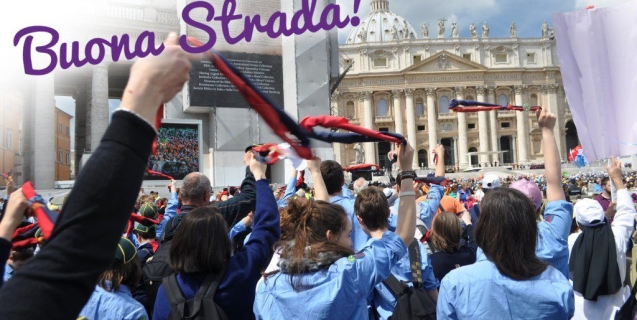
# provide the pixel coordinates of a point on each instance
(359, 237)
(425, 210)
(480, 291)
(339, 292)
(290, 191)
(347, 193)
(169, 213)
(113, 305)
(8, 272)
(238, 228)
(552, 236)
(384, 299)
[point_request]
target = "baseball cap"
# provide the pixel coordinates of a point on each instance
(388, 192)
(589, 213)
(531, 190)
(491, 181)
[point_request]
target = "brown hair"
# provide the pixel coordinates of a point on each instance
(308, 225)
(446, 232)
(372, 207)
(507, 233)
(201, 242)
(333, 176)
(127, 274)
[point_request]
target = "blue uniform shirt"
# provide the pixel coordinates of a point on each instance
(480, 291)
(552, 236)
(169, 213)
(425, 210)
(113, 305)
(384, 299)
(339, 292)
(8, 272)
(359, 237)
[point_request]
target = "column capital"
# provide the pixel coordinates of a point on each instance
(480, 90)
(334, 97)
(430, 91)
(459, 89)
(397, 93)
(409, 92)
(550, 88)
(519, 89)
(490, 89)
(365, 95)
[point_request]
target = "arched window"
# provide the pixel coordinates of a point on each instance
(382, 108)
(470, 97)
(444, 104)
(422, 158)
(534, 100)
(503, 99)
(420, 107)
(350, 110)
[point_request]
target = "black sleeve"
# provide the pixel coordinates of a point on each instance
(239, 206)
(471, 243)
(58, 281)
(5, 251)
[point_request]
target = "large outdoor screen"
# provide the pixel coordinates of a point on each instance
(178, 151)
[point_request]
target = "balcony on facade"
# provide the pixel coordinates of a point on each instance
(354, 120)
(421, 117)
(506, 114)
(380, 120)
(446, 116)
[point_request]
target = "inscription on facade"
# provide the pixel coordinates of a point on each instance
(444, 78)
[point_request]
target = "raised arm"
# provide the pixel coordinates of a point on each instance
(440, 166)
(320, 190)
(546, 121)
(59, 280)
(171, 208)
(406, 226)
(625, 217)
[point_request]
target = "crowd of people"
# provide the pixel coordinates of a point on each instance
(329, 253)
(177, 152)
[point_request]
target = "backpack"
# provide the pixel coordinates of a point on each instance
(202, 306)
(154, 271)
(411, 303)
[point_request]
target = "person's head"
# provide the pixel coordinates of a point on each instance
(446, 232)
(464, 185)
(125, 269)
(195, 190)
(191, 252)
(232, 191)
(606, 185)
(360, 184)
(145, 233)
(372, 210)
(19, 257)
(589, 213)
(507, 233)
(300, 193)
(332, 174)
(490, 182)
(148, 210)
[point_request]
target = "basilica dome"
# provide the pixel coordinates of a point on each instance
(381, 25)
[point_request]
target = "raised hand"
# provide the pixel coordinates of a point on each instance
(545, 119)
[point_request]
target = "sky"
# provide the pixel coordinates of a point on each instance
(499, 14)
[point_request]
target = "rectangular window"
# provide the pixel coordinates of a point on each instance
(9, 139)
(21, 139)
(446, 127)
(380, 62)
(68, 131)
(417, 59)
(530, 57)
(501, 58)
(421, 128)
(471, 125)
(467, 56)
(68, 157)
(61, 156)
(60, 127)
(505, 125)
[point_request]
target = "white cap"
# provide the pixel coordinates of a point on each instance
(388, 192)
(491, 181)
(589, 212)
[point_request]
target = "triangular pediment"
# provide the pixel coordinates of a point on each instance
(445, 61)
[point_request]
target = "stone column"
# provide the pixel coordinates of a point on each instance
(483, 126)
(98, 112)
(410, 114)
(493, 124)
(522, 126)
(44, 147)
(335, 146)
(462, 132)
(551, 98)
(368, 117)
(398, 111)
(455, 151)
(81, 107)
(514, 142)
(432, 118)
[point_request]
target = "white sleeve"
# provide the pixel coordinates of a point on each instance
(624, 220)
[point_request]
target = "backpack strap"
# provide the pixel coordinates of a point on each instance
(414, 262)
(173, 293)
(396, 287)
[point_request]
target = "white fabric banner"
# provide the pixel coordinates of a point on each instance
(598, 59)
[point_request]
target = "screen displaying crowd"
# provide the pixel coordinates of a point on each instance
(177, 151)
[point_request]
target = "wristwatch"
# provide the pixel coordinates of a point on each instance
(407, 175)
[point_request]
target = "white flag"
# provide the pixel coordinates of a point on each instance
(598, 59)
